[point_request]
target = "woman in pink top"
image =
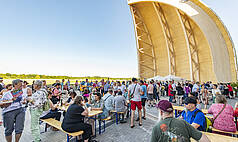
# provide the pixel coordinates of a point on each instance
(225, 121)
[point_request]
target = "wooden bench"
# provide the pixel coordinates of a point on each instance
(220, 131)
(57, 124)
(104, 124)
(113, 111)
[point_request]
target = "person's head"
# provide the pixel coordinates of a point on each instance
(9, 87)
(62, 80)
(141, 82)
(203, 86)
(72, 94)
(214, 86)
(110, 91)
(25, 83)
(17, 84)
(97, 96)
(44, 82)
(151, 82)
(37, 85)
(134, 80)
(165, 109)
(190, 103)
(78, 100)
(221, 99)
(57, 85)
(119, 92)
(1, 79)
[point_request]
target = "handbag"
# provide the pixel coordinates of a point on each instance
(213, 119)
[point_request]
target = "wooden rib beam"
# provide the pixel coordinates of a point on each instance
(168, 37)
(144, 42)
(192, 46)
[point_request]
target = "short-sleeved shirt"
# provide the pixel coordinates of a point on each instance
(171, 129)
(143, 89)
(73, 115)
(120, 102)
(198, 119)
(136, 93)
(98, 104)
(108, 101)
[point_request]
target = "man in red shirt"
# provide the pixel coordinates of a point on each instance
(170, 92)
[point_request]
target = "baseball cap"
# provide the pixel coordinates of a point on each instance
(190, 100)
(165, 105)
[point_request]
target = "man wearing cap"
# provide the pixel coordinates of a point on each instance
(14, 115)
(134, 92)
(193, 115)
(172, 129)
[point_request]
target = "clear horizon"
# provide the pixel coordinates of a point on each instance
(78, 38)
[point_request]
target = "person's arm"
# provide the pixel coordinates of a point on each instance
(85, 112)
(199, 120)
(204, 138)
(90, 97)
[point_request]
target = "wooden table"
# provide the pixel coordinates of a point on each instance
(218, 138)
(91, 115)
(181, 108)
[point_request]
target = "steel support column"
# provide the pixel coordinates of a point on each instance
(168, 37)
(145, 46)
(192, 46)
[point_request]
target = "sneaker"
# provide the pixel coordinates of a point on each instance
(143, 118)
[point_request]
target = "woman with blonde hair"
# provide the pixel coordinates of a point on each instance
(223, 115)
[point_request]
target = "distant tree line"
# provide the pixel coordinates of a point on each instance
(37, 76)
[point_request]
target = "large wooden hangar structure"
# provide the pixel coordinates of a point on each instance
(184, 38)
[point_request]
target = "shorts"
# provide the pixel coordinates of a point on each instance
(143, 100)
(135, 104)
(14, 120)
(150, 97)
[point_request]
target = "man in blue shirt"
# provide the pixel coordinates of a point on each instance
(193, 115)
(143, 97)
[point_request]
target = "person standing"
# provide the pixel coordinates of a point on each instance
(134, 95)
(150, 90)
(14, 114)
(37, 101)
(170, 92)
(143, 98)
(2, 86)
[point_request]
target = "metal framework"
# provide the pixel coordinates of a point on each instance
(168, 37)
(144, 42)
(192, 45)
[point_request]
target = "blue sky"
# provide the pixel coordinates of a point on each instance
(77, 37)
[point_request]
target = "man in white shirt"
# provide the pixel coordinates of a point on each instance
(134, 92)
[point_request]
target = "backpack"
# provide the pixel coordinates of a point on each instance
(154, 89)
(208, 122)
(46, 105)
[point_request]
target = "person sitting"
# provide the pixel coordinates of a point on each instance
(193, 115)
(120, 105)
(70, 100)
(172, 129)
(98, 104)
(198, 106)
(74, 119)
(224, 115)
(52, 112)
(109, 100)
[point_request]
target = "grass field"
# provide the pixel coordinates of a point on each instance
(48, 81)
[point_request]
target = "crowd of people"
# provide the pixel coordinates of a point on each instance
(42, 101)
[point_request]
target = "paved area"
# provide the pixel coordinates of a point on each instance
(114, 133)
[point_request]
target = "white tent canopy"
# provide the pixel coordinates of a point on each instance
(159, 78)
(172, 77)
